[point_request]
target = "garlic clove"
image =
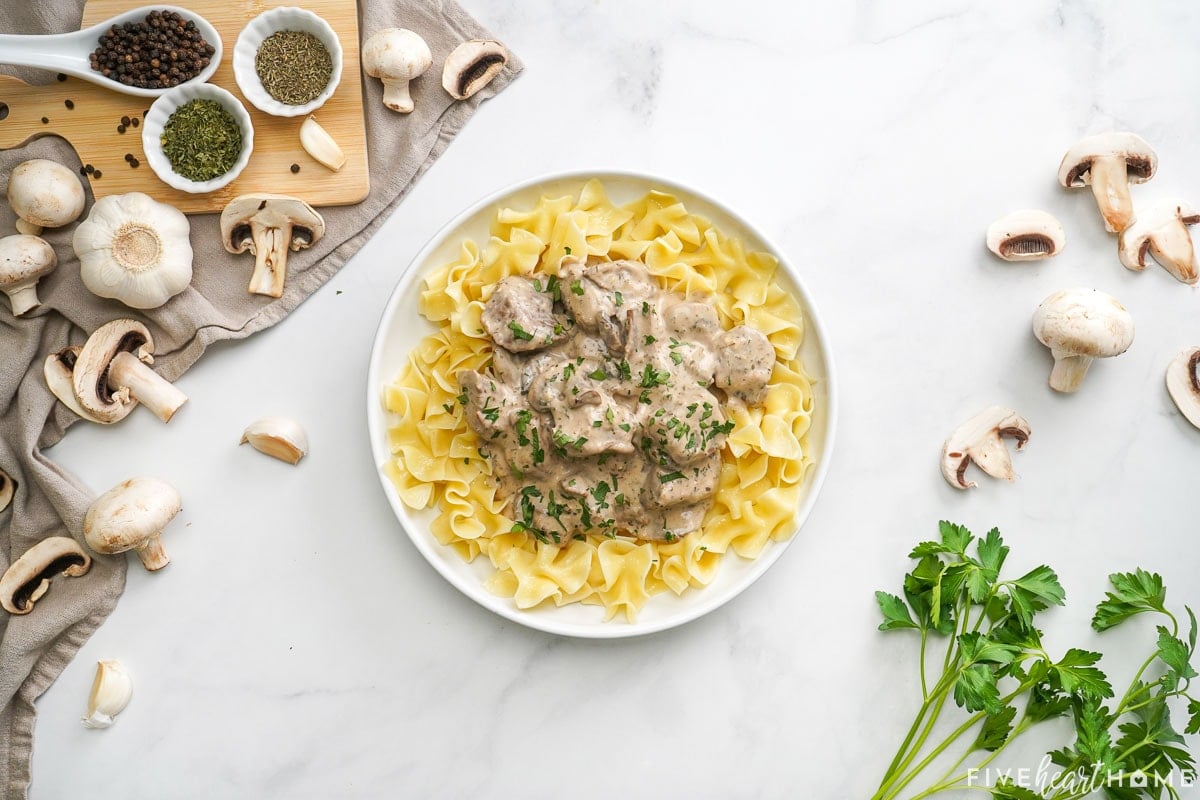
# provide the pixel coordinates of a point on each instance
(317, 142)
(278, 437)
(111, 690)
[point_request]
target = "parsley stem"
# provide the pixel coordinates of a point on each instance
(1136, 686)
(924, 682)
(911, 775)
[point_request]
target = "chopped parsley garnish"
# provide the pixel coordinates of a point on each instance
(652, 377)
(491, 413)
(567, 250)
(598, 374)
(462, 399)
(520, 332)
(649, 340)
(645, 308)
(670, 476)
(624, 426)
(577, 288)
(623, 370)
(596, 423)
(676, 358)
(619, 298)
(449, 407)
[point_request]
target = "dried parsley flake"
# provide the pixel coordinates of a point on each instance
(201, 140)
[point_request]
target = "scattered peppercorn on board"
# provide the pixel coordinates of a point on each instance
(92, 117)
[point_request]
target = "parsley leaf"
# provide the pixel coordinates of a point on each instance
(519, 332)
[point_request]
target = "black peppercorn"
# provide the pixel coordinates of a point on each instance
(120, 129)
(135, 52)
(89, 169)
(295, 168)
(45, 120)
(70, 104)
(97, 174)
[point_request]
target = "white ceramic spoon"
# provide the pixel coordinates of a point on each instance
(68, 52)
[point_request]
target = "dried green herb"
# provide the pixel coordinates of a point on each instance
(294, 66)
(201, 140)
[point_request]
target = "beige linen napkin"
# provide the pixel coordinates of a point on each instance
(35, 648)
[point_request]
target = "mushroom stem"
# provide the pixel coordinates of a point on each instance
(397, 97)
(270, 262)
(24, 298)
(1110, 185)
(145, 385)
(28, 228)
(1068, 372)
(152, 554)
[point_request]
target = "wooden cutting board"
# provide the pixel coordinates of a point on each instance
(91, 126)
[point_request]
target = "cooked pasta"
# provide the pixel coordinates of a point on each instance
(436, 462)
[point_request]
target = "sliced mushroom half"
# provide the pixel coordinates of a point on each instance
(1183, 384)
(1162, 231)
(268, 225)
(1109, 162)
(979, 440)
(58, 370)
(29, 577)
(112, 374)
(1026, 235)
(8, 488)
(471, 66)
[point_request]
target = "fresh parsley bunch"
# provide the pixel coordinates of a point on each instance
(996, 669)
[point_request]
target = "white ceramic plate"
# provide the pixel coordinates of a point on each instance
(402, 328)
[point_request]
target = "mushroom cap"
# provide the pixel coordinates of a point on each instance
(28, 578)
(1141, 161)
(396, 54)
(24, 259)
(8, 487)
(45, 193)
(245, 214)
(1083, 322)
(471, 66)
(1026, 235)
(90, 376)
(129, 514)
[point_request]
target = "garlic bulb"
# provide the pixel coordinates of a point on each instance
(111, 691)
(134, 249)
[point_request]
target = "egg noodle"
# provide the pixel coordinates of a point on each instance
(435, 456)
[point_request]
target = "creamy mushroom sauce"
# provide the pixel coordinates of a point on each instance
(603, 410)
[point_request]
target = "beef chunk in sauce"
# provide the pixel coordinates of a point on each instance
(520, 318)
(745, 359)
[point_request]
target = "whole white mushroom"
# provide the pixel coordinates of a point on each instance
(44, 194)
(1079, 326)
(396, 56)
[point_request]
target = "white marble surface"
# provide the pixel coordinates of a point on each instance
(298, 647)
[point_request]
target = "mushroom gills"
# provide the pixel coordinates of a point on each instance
(471, 66)
(1026, 235)
(1183, 384)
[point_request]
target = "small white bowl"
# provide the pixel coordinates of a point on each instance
(156, 120)
(287, 18)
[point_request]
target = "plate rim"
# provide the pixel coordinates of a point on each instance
(424, 540)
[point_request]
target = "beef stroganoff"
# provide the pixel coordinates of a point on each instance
(612, 401)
